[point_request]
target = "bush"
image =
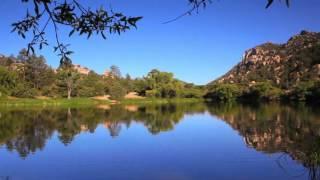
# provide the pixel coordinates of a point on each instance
(306, 91)
(192, 93)
(50, 91)
(116, 91)
(168, 92)
(302, 91)
(263, 90)
(8, 80)
(153, 93)
(224, 92)
(315, 91)
(3, 92)
(24, 91)
(86, 92)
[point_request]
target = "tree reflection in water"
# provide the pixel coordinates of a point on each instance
(275, 128)
(293, 130)
(27, 130)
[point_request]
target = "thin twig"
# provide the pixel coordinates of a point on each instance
(55, 27)
(195, 7)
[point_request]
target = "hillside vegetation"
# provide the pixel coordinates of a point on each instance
(273, 71)
(29, 76)
(289, 71)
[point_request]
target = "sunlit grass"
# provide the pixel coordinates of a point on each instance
(75, 102)
(160, 101)
(52, 102)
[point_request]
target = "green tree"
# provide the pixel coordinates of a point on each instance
(67, 80)
(192, 92)
(224, 92)
(315, 92)
(264, 90)
(115, 71)
(116, 90)
(8, 81)
(302, 91)
(37, 72)
(90, 85)
(140, 85)
(128, 83)
(162, 85)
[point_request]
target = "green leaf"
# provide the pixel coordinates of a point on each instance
(71, 32)
(103, 36)
(269, 3)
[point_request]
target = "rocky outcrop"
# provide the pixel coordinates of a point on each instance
(81, 69)
(283, 64)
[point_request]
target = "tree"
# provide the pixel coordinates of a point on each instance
(302, 91)
(264, 91)
(23, 55)
(8, 81)
(72, 14)
(224, 92)
(90, 85)
(128, 83)
(115, 71)
(162, 85)
(67, 80)
(140, 86)
(37, 72)
(116, 90)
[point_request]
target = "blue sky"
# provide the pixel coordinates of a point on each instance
(197, 48)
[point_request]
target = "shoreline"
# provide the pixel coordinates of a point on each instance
(76, 102)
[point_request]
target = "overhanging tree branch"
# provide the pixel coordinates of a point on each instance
(197, 4)
(84, 21)
(72, 14)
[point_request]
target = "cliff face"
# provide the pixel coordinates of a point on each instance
(282, 64)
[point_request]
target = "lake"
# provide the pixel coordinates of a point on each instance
(161, 142)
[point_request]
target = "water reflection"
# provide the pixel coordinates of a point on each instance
(27, 130)
(272, 128)
(269, 128)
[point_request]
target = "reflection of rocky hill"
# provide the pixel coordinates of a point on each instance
(274, 128)
(27, 131)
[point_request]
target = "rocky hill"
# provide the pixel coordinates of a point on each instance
(282, 64)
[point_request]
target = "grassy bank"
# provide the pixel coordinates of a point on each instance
(77, 102)
(161, 101)
(74, 102)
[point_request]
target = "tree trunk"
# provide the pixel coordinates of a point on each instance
(69, 93)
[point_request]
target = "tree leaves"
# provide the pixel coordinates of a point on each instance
(72, 14)
(133, 21)
(270, 2)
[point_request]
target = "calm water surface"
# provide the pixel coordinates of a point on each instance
(175, 142)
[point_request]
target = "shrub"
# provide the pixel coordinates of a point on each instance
(153, 93)
(116, 91)
(24, 91)
(3, 92)
(263, 90)
(50, 91)
(192, 93)
(315, 91)
(302, 91)
(224, 92)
